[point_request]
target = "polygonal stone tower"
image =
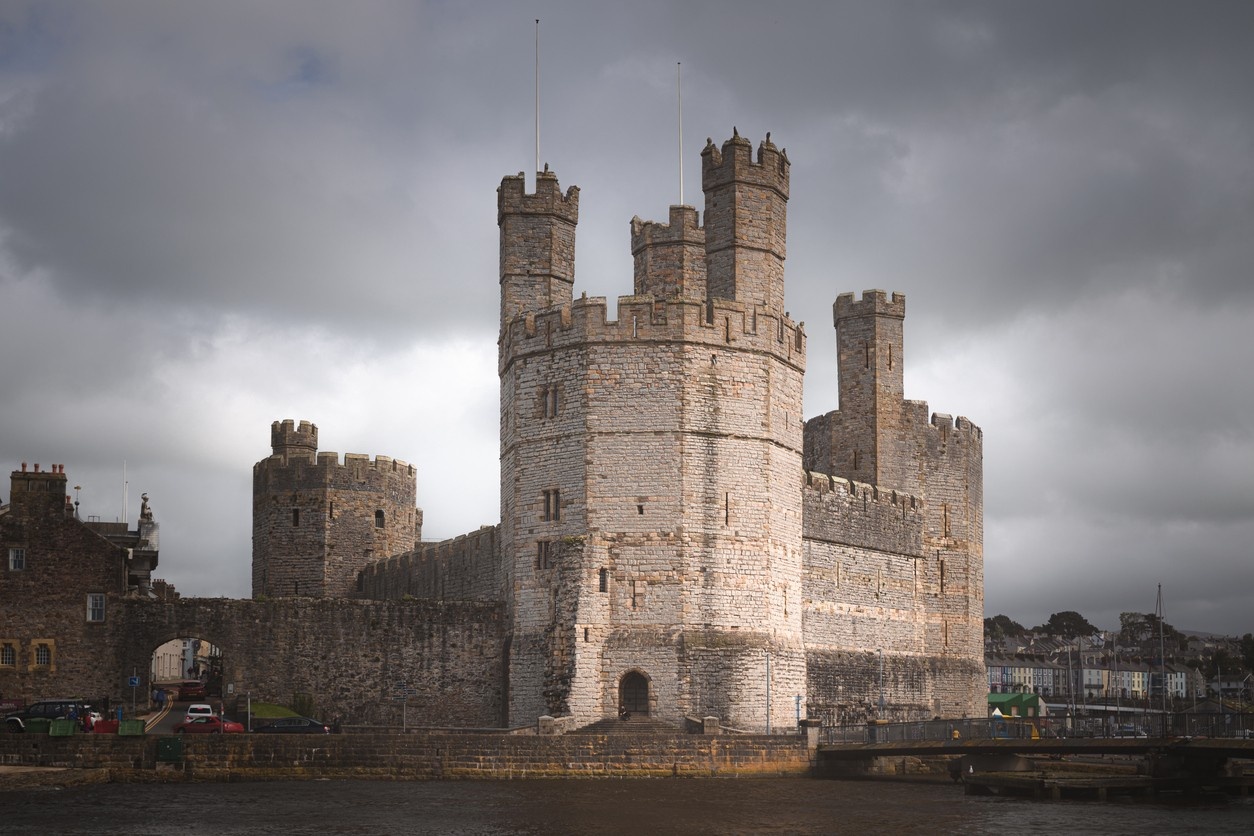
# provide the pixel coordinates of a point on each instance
(650, 510)
(317, 521)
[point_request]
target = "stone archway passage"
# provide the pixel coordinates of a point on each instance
(633, 693)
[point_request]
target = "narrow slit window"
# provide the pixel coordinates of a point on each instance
(603, 580)
(552, 505)
(295, 517)
(378, 519)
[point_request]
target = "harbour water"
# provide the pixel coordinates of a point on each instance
(642, 806)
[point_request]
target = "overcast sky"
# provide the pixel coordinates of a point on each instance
(217, 215)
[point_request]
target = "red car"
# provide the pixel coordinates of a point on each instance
(191, 689)
(208, 725)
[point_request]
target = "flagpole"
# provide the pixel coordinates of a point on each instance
(679, 91)
(537, 169)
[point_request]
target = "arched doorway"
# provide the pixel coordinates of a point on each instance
(633, 693)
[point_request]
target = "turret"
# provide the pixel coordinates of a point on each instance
(288, 440)
(669, 258)
(872, 395)
(537, 244)
(745, 221)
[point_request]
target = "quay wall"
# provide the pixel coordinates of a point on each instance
(416, 756)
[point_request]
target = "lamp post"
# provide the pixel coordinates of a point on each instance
(881, 714)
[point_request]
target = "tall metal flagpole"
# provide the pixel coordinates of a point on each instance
(679, 90)
(537, 95)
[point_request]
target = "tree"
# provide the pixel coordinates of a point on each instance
(1247, 651)
(1067, 625)
(1142, 630)
(1001, 626)
(1132, 628)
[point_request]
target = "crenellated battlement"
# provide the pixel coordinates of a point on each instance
(824, 483)
(734, 163)
(512, 197)
(286, 437)
(946, 424)
(855, 514)
(872, 303)
(682, 228)
(353, 463)
(718, 323)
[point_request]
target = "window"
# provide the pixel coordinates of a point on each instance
(43, 655)
(95, 606)
(17, 560)
(378, 519)
(8, 655)
(552, 505)
(544, 554)
(549, 401)
(295, 516)
(603, 584)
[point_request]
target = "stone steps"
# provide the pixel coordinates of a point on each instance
(635, 724)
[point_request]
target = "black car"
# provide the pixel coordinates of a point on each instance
(46, 710)
(295, 725)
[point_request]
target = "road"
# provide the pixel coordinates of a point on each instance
(175, 712)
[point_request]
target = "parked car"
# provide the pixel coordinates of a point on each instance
(208, 725)
(198, 709)
(191, 689)
(295, 725)
(46, 710)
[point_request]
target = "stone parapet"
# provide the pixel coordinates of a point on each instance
(718, 324)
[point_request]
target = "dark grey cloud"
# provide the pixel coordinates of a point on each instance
(217, 215)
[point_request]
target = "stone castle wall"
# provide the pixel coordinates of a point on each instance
(356, 659)
(926, 592)
(465, 568)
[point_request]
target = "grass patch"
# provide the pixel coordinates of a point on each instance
(271, 711)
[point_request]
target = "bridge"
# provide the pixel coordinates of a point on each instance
(1012, 756)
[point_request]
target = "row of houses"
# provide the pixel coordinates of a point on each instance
(1092, 675)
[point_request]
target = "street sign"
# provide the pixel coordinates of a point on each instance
(134, 682)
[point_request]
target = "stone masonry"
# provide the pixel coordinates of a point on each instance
(673, 535)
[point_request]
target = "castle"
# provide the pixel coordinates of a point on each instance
(675, 539)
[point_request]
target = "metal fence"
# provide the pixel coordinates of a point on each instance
(1182, 724)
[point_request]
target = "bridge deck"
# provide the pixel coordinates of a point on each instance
(1192, 747)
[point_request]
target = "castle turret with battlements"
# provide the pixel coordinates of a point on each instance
(317, 521)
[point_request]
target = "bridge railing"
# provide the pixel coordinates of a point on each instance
(960, 729)
(1229, 725)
